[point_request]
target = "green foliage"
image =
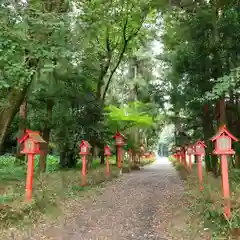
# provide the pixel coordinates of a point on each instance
(64, 60)
(202, 66)
(128, 116)
(225, 84)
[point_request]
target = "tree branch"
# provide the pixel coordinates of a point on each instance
(125, 43)
(106, 64)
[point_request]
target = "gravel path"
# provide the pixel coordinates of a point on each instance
(139, 205)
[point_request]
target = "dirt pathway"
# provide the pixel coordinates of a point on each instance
(139, 205)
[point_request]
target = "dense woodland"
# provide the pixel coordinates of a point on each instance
(201, 46)
(77, 70)
(73, 69)
(202, 53)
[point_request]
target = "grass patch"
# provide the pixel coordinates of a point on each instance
(49, 189)
(146, 161)
(183, 172)
(207, 205)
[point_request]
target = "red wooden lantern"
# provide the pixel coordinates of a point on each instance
(107, 151)
(190, 152)
(32, 142)
(199, 148)
(84, 148)
(223, 146)
(223, 142)
(119, 139)
(199, 151)
(32, 145)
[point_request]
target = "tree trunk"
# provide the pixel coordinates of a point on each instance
(15, 99)
(222, 112)
(101, 153)
(63, 154)
(237, 165)
(233, 119)
(71, 159)
(46, 136)
(67, 158)
(221, 120)
(21, 129)
(208, 132)
(90, 157)
(116, 154)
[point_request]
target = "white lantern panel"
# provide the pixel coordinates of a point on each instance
(29, 144)
(107, 151)
(224, 143)
(199, 149)
(83, 149)
(119, 140)
(190, 150)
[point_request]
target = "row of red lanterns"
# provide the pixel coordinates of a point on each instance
(223, 147)
(32, 144)
(84, 150)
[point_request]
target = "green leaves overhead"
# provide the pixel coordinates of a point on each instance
(203, 62)
(66, 56)
(225, 84)
(129, 115)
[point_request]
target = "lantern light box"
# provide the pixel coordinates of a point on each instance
(190, 150)
(223, 141)
(200, 148)
(84, 147)
(32, 142)
(119, 139)
(107, 151)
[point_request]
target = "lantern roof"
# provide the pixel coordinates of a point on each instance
(118, 134)
(199, 142)
(84, 143)
(223, 131)
(107, 147)
(34, 136)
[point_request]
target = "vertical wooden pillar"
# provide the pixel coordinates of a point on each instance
(107, 167)
(84, 169)
(225, 185)
(29, 180)
(200, 172)
(190, 161)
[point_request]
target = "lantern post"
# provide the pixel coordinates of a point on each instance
(178, 155)
(107, 153)
(223, 147)
(32, 142)
(119, 141)
(84, 150)
(189, 153)
(199, 151)
(184, 156)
